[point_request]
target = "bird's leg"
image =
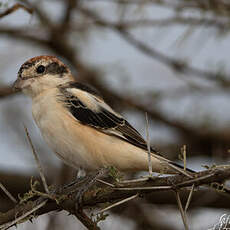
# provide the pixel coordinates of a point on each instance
(80, 176)
(81, 173)
(88, 182)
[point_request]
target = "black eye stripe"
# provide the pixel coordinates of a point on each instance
(41, 69)
(56, 68)
(53, 68)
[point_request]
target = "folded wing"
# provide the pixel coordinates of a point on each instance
(90, 109)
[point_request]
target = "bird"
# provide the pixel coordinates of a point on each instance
(79, 126)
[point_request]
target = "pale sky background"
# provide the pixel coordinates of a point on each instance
(121, 64)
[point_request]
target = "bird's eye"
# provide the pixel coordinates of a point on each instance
(40, 69)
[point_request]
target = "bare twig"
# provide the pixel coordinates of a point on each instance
(37, 162)
(145, 188)
(184, 156)
(195, 180)
(145, 178)
(148, 145)
(96, 195)
(14, 8)
(106, 183)
(17, 220)
(118, 203)
(189, 198)
(182, 212)
(7, 193)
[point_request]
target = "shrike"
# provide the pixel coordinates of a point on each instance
(79, 126)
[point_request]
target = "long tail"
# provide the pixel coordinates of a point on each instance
(188, 172)
(174, 166)
(182, 167)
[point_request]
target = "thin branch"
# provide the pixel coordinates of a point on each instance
(19, 219)
(106, 183)
(182, 212)
(37, 162)
(18, 184)
(189, 198)
(14, 8)
(135, 180)
(184, 183)
(97, 195)
(184, 156)
(148, 145)
(118, 203)
(11, 197)
(162, 188)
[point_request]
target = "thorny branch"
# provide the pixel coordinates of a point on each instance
(39, 167)
(10, 196)
(64, 197)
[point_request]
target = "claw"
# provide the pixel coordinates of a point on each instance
(79, 197)
(89, 181)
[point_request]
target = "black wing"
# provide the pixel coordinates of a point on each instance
(102, 119)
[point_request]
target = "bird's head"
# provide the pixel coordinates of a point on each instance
(41, 73)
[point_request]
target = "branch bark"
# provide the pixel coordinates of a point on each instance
(103, 194)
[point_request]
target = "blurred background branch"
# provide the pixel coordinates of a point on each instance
(65, 197)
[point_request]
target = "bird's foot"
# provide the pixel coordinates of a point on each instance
(87, 183)
(81, 174)
(79, 196)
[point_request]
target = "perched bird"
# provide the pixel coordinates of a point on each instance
(79, 126)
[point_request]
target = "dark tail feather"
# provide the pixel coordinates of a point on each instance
(174, 167)
(182, 167)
